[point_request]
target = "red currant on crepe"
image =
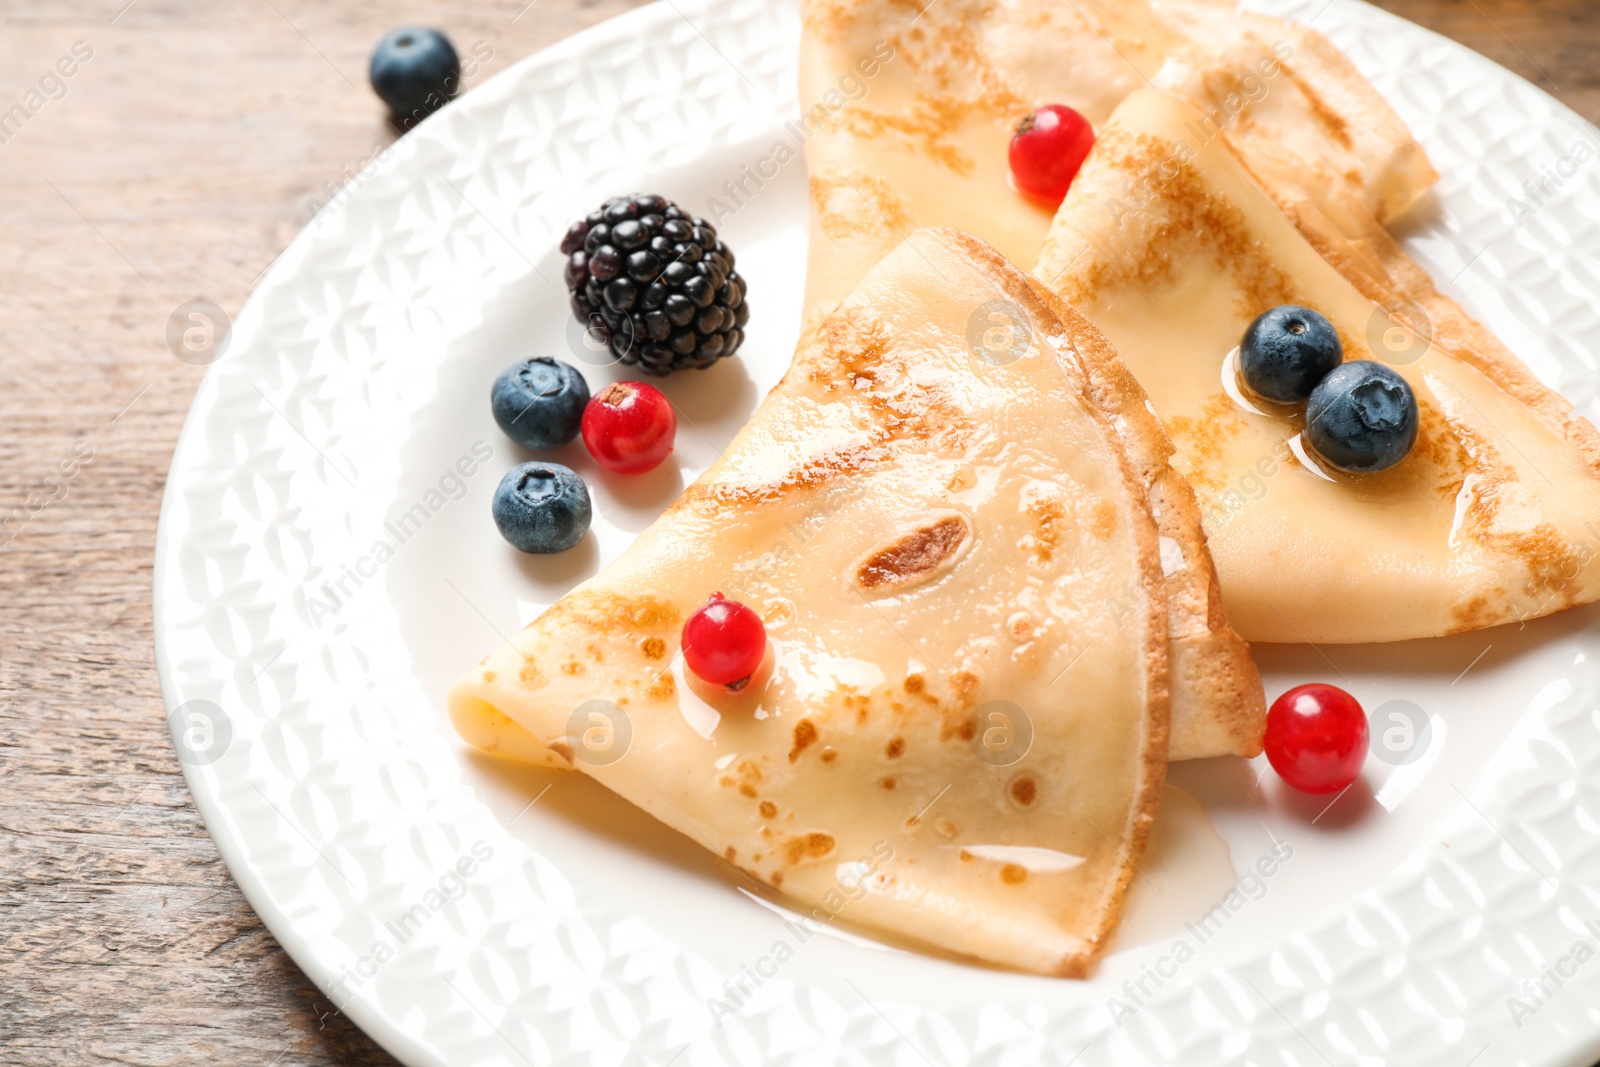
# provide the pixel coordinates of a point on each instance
(724, 642)
(628, 427)
(1316, 738)
(1047, 150)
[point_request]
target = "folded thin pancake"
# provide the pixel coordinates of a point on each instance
(908, 112)
(1218, 707)
(961, 730)
(1350, 238)
(1492, 517)
(909, 119)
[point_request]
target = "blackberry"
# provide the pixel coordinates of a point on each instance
(656, 284)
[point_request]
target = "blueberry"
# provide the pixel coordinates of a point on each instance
(542, 507)
(1362, 417)
(1286, 352)
(416, 72)
(539, 402)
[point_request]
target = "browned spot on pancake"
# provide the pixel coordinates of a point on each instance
(915, 555)
(777, 879)
(814, 473)
(1013, 874)
(848, 355)
(572, 667)
(852, 355)
(888, 783)
(1475, 614)
(529, 674)
(653, 647)
(756, 858)
(927, 126)
(1494, 507)
(611, 613)
(942, 62)
(895, 748)
(750, 770)
(810, 846)
(488, 677)
(1202, 439)
(746, 789)
(829, 755)
(945, 826)
(1328, 117)
(1024, 791)
(964, 856)
(1181, 215)
(856, 204)
(1049, 514)
(768, 809)
(805, 732)
(1438, 453)
(596, 654)
(1550, 559)
(852, 345)
(914, 683)
(665, 687)
(562, 749)
(1104, 520)
(725, 781)
(730, 853)
(955, 719)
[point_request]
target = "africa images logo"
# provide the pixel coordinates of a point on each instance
(450, 486)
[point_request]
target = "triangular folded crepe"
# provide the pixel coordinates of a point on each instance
(961, 735)
(1171, 248)
(907, 117)
(907, 124)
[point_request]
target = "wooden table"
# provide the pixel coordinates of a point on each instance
(175, 164)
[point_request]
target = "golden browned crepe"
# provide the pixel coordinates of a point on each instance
(1491, 518)
(909, 112)
(960, 735)
(909, 108)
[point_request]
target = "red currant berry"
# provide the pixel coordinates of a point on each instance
(724, 642)
(1316, 738)
(628, 427)
(1047, 150)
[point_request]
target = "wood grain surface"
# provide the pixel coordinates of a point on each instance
(174, 163)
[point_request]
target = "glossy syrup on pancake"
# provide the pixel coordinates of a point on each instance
(1490, 513)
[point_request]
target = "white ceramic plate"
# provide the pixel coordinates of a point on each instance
(464, 911)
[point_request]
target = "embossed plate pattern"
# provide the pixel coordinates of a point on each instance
(326, 563)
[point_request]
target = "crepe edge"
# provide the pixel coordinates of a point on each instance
(1218, 704)
(1152, 779)
(1326, 75)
